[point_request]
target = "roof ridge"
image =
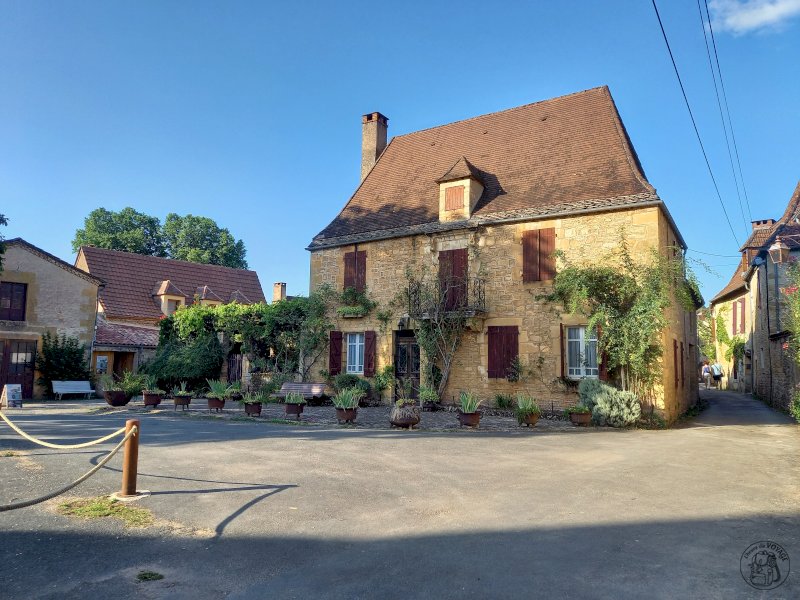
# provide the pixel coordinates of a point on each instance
(172, 260)
(504, 110)
(44, 254)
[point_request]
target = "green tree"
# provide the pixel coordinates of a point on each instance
(63, 358)
(127, 230)
(201, 240)
(3, 221)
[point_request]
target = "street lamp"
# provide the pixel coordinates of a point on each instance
(779, 251)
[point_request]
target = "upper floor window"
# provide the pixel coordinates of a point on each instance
(582, 352)
(12, 301)
(355, 353)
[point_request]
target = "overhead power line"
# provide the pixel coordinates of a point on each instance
(721, 115)
(727, 110)
(694, 123)
(712, 254)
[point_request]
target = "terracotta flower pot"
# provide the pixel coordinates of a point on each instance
(216, 404)
(581, 419)
(530, 420)
(152, 399)
(405, 416)
(182, 401)
(294, 410)
(346, 415)
(469, 419)
(252, 409)
(116, 397)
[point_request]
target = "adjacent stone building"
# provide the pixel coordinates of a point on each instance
(141, 290)
(475, 210)
(40, 293)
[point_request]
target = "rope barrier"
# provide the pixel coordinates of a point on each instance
(30, 438)
(84, 477)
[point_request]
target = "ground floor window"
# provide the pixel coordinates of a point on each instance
(355, 353)
(582, 352)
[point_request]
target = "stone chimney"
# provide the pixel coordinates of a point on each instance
(373, 140)
(278, 291)
(763, 223)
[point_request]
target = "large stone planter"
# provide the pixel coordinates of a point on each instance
(469, 419)
(580, 419)
(294, 410)
(530, 420)
(216, 404)
(404, 416)
(182, 401)
(346, 415)
(116, 397)
(252, 409)
(151, 399)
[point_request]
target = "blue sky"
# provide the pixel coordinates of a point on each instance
(249, 112)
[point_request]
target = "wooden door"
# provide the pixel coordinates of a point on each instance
(234, 367)
(453, 278)
(406, 363)
(17, 358)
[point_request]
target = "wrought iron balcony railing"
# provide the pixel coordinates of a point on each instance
(454, 296)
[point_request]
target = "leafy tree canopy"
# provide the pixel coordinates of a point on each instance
(192, 238)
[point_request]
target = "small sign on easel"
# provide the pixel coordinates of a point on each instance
(12, 396)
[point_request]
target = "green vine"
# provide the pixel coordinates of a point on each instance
(355, 303)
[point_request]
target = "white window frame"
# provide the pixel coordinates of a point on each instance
(577, 334)
(355, 353)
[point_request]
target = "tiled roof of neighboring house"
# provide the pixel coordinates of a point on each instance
(117, 334)
(132, 279)
(53, 259)
(734, 286)
(205, 293)
(559, 156)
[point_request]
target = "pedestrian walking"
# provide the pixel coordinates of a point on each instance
(716, 373)
(706, 373)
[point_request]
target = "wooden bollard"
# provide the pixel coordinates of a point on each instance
(130, 459)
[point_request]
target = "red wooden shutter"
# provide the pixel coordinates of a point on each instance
(547, 262)
(735, 311)
(361, 270)
(369, 353)
(454, 197)
(335, 353)
(675, 360)
(349, 270)
(741, 319)
(530, 255)
(503, 349)
(453, 277)
(683, 373)
(563, 352)
(493, 352)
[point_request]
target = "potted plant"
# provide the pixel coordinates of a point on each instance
(151, 393)
(217, 392)
(580, 415)
(113, 391)
(132, 383)
(405, 413)
(469, 414)
(181, 396)
(429, 398)
(346, 404)
(527, 410)
(294, 404)
(235, 391)
(253, 402)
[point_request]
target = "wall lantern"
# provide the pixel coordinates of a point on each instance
(779, 251)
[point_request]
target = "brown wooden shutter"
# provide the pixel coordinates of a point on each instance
(335, 353)
(503, 349)
(349, 270)
(369, 353)
(453, 267)
(741, 318)
(563, 352)
(683, 373)
(675, 360)
(735, 311)
(361, 270)
(494, 352)
(454, 197)
(530, 255)
(547, 262)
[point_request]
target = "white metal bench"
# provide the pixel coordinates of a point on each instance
(309, 391)
(72, 387)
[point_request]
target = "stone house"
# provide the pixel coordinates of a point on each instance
(141, 290)
(775, 374)
(478, 208)
(40, 293)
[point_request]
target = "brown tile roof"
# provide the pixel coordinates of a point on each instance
(461, 170)
(117, 334)
(565, 154)
(736, 284)
(205, 293)
(131, 280)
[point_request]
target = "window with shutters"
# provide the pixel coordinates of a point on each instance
(581, 352)
(538, 261)
(741, 314)
(355, 270)
(12, 301)
(355, 353)
(503, 349)
(454, 197)
(453, 270)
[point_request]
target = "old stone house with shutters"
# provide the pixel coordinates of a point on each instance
(40, 293)
(475, 211)
(141, 290)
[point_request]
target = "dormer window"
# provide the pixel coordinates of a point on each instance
(459, 191)
(168, 297)
(172, 306)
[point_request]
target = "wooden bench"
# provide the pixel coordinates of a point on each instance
(72, 387)
(309, 391)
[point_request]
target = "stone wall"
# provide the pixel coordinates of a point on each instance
(495, 253)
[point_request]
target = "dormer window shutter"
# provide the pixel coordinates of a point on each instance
(454, 197)
(355, 270)
(538, 262)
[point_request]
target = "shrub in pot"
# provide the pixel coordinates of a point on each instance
(527, 411)
(346, 404)
(294, 404)
(253, 402)
(181, 396)
(217, 392)
(235, 391)
(132, 383)
(151, 393)
(579, 414)
(113, 391)
(429, 398)
(468, 413)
